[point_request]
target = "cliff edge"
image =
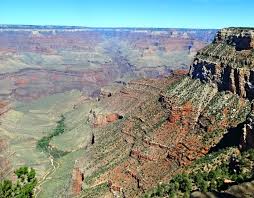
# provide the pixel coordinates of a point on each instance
(228, 62)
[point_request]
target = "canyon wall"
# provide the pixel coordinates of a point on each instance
(228, 62)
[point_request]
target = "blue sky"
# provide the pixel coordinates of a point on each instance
(129, 13)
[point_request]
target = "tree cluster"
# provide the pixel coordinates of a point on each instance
(23, 187)
(43, 143)
(234, 171)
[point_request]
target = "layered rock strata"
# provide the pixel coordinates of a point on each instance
(228, 62)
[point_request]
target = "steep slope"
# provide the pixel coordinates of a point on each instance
(146, 132)
(171, 125)
(228, 62)
(42, 67)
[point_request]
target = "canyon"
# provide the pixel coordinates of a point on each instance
(135, 114)
(47, 71)
(176, 121)
(59, 59)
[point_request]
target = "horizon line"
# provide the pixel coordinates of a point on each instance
(104, 27)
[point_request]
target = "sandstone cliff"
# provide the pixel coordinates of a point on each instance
(228, 62)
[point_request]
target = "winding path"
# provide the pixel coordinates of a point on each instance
(46, 175)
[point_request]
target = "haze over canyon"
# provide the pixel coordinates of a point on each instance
(126, 112)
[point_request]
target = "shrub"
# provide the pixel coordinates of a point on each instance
(238, 168)
(24, 186)
(43, 143)
(200, 179)
(184, 182)
(251, 154)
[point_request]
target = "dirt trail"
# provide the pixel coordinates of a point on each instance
(46, 176)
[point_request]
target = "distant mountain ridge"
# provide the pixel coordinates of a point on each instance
(193, 33)
(89, 58)
(11, 26)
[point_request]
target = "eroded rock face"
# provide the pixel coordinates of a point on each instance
(169, 123)
(99, 120)
(247, 140)
(77, 180)
(228, 62)
(242, 39)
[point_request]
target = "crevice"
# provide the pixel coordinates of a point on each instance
(249, 87)
(82, 176)
(231, 139)
(93, 139)
(237, 83)
(224, 86)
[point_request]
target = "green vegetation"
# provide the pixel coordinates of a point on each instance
(209, 136)
(235, 170)
(23, 188)
(95, 191)
(189, 90)
(43, 143)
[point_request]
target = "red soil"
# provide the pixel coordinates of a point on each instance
(77, 180)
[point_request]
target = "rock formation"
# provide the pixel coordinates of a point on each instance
(77, 180)
(4, 106)
(99, 120)
(247, 139)
(169, 123)
(228, 62)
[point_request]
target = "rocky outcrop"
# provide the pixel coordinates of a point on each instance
(241, 38)
(77, 181)
(247, 138)
(228, 62)
(162, 133)
(99, 120)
